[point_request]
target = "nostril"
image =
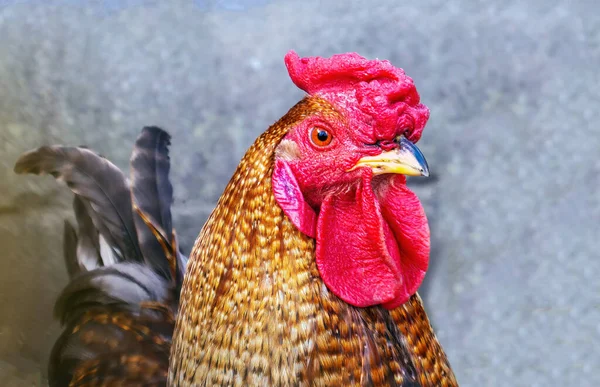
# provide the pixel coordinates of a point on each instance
(387, 145)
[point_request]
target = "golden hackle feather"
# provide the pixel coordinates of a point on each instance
(254, 311)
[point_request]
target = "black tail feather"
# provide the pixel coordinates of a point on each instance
(152, 195)
(150, 186)
(124, 262)
(99, 183)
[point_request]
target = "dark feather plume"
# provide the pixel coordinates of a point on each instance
(118, 317)
(99, 183)
(150, 186)
(152, 195)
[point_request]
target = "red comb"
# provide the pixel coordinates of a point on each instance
(377, 88)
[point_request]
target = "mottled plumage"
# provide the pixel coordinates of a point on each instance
(254, 310)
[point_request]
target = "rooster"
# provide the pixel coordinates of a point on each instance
(306, 272)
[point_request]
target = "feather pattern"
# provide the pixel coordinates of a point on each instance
(97, 181)
(152, 195)
(150, 186)
(108, 346)
(119, 306)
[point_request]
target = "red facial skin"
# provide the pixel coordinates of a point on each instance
(372, 236)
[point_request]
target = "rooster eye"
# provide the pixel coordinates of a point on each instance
(320, 136)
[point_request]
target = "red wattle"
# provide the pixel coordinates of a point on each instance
(352, 255)
(373, 250)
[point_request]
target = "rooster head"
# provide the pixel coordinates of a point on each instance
(340, 176)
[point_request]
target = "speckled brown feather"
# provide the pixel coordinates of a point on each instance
(123, 347)
(254, 310)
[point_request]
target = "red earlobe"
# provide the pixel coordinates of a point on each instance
(289, 197)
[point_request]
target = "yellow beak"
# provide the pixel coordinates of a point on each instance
(405, 160)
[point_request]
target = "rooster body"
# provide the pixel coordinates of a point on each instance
(305, 273)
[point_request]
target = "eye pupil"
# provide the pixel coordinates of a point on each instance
(322, 135)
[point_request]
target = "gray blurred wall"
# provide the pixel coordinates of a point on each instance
(513, 141)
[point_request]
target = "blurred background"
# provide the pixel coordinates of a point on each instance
(513, 143)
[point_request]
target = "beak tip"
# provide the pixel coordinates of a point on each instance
(424, 167)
